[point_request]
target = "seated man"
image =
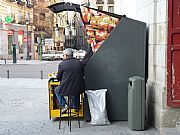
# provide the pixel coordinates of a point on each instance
(71, 75)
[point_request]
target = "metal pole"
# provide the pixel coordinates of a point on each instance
(41, 45)
(39, 42)
(27, 43)
(7, 74)
(41, 74)
(40, 53)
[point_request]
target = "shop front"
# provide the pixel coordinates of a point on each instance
(15, 34)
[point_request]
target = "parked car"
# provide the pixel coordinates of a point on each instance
(74, 53)
(59, 55)
(50, 55)
(80, 54)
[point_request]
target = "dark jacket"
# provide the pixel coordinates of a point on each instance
(71, 77)
(86, 58)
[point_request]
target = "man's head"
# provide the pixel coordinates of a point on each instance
(67, 53)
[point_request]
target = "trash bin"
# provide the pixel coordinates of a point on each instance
(136, 103)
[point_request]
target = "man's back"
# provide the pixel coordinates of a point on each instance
(71, 73)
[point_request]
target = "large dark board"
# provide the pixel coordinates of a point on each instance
(121, 56)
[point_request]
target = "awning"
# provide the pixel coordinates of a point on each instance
(66, 6)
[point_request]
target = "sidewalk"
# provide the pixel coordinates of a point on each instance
(22, 62)
(24, 110)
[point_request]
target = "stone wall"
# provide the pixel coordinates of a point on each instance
(155, 14)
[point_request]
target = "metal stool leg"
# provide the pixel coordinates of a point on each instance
(70, 113)
(78, 113)
(60, 115)
(68, 110)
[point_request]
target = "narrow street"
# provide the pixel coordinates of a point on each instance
(25, 70)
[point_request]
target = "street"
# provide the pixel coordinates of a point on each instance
(32, 69)
(24, 111)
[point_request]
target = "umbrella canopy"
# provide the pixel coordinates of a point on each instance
(64, 6)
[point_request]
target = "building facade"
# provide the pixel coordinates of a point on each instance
(16, 17)
(68, 30)
(106, 5)
(60, 23)
(44, 30)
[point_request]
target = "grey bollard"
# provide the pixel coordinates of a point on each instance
(7, 74)
(5, 61)
(41, 74)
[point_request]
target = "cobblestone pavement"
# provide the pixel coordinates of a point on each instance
(24, 111)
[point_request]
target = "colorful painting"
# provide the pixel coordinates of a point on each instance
(98, 26)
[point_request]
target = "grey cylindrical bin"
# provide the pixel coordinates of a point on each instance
(136, 103)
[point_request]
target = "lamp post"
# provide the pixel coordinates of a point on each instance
(57, 33)
(70, 36)
(27, 23)
(42, 45)
(57, 36)
(39, 48)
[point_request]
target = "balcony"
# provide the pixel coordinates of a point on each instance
(110, 2)
(30, 5)
(100, 2)
(20, 2)
(40, 28)
(22, 22)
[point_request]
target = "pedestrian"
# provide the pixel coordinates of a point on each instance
(71, 77)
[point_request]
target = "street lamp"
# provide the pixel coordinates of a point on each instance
(57, 33)
(41, 43)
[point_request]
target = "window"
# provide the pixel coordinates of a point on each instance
(29, 3)
(41, 16)
(21, 2)
(100, 2)
(20, 41)
(10, 42)
(100, 7)
(111, 9)
(0, 18)
(28, 16)
(13, 17)
(110, 2)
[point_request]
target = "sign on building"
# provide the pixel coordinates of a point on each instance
(49, 42)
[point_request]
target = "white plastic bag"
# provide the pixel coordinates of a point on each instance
(97, 106)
